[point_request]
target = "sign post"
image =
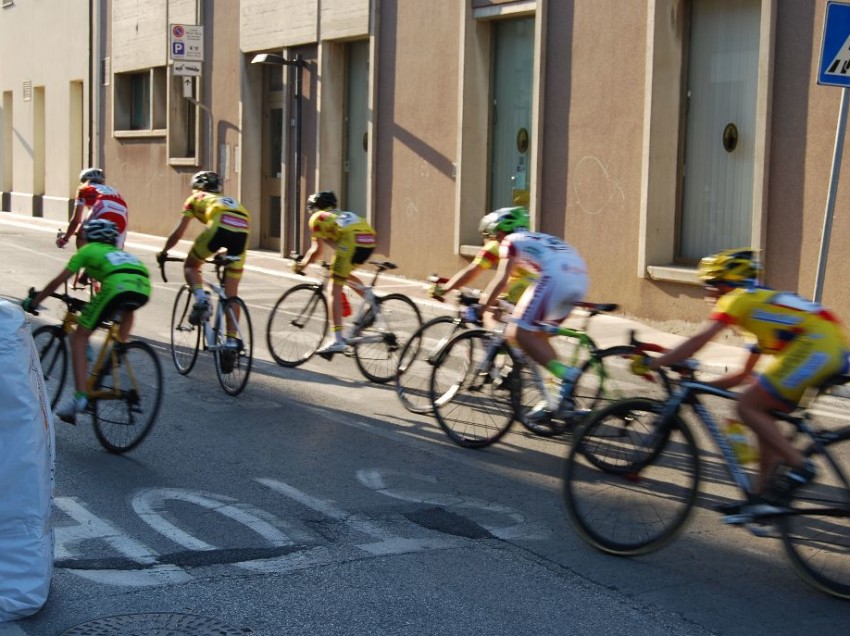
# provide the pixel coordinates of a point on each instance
(834, 70)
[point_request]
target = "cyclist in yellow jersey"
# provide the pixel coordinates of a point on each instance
(809, 346)
(488, 256)
(353, 241)
(228, 226)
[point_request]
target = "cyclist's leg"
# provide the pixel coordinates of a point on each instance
(232, 277)
(806, 362)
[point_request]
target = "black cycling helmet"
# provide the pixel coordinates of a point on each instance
(324, 200)
(92, 174)
(100, 231)
(206, 180)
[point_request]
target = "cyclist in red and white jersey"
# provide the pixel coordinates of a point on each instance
(562, 282)
(105, 202)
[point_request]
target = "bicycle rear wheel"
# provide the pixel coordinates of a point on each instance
(606, 377)
(475, 389)
(122, 422)
(297, 325)
(641, 494)
(816, 536)
(233, 365)
(416, 361)
(53, 355)
(185, 338)
(400, 318)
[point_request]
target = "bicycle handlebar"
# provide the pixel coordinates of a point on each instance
(219, 260)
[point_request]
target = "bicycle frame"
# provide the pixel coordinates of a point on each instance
(688, 392)
(69, 324)
(367, 306)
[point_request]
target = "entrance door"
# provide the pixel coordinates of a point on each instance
(356, 134)
(513, 56)
(717, 195)
(272, 164)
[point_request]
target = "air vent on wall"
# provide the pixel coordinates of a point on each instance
(28, 90)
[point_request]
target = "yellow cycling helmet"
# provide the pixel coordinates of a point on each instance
(736, 267)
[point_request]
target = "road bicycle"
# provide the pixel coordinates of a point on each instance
(481, 384)
(639, 497)
(124, 387)
(378, 328)
(416, 361)
(233, 356)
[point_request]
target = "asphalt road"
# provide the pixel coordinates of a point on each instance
(314, 503)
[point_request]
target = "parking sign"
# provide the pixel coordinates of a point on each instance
(186, 42)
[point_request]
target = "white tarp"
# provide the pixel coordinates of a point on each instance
(27, 454)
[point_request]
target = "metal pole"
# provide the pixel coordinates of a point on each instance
(299, 63)
(830, 200)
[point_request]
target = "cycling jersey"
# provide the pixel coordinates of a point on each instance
(105, 203)
(520, 279)
(562, 276)
(228, 225)
(123, 278)
(351, 236)
(807, 340)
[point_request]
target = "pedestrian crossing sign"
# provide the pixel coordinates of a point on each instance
(835, 46)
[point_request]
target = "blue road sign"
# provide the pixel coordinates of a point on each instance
(835, 47)
(178, 49)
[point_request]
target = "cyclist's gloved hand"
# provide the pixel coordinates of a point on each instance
(640, 364)
(160, 257)
(27, 303)
(473, 313)
(437, 292)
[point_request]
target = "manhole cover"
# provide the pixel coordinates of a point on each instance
(155, 625)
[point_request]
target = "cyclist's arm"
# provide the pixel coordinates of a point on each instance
(177, 233)
(73, 225)
(499, 282)
(316, 245)
(51, 287)
(739, 377)
(689, 347)
(462, 277)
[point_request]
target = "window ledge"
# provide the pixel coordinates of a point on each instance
(673, 274)
(136, 134)
(469, 250)
(183, 161)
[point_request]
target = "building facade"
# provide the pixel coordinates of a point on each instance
(648, 133)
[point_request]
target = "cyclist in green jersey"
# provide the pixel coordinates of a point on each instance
(124, 287)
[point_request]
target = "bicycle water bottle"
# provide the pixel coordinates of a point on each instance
(346, 306)
(739, 439)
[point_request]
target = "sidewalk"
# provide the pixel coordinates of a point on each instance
(607, 330)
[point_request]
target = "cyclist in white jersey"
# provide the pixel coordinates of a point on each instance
(562, 282)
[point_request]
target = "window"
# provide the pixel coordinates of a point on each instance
(140, 100)
(703, 192)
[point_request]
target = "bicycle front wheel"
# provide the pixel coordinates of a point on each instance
(53, 355)
(133, 377)
(378, 355)
(816, 534)
(185, 338)
(475, 389)
(233, 359)
(640, 497)
(416, 361)
(297, 325)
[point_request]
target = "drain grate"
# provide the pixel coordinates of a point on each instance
(160, 624)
